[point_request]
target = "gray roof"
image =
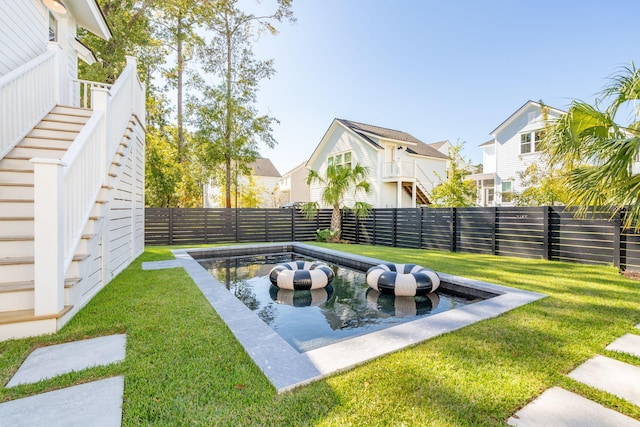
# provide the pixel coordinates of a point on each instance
(264, 167)
(490, 142)
(420, 148)
(437, 145)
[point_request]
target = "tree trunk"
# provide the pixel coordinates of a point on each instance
(180, 70)
(335, 221)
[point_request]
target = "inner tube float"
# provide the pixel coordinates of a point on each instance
(312, 298)
(301, 275)
(405, 280)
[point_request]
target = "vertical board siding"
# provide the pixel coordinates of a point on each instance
(528, 232)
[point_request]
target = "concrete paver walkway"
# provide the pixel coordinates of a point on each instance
(610, 375)
(95, 404)
(628, 343)
(54, 360)
(558, 407)
(98, 403)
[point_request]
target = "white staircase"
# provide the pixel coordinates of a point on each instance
(50, 139)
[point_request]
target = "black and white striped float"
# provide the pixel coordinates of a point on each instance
(310, 298)
(301, 275)
(402, 279)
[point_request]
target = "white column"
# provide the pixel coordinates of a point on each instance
(399, 194)
(59, 74)
(100, 102)
(413, 194)
(49, 233)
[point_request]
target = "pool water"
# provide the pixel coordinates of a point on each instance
(312, 319)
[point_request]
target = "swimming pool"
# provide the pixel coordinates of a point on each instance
(311, 319)
(286, 367)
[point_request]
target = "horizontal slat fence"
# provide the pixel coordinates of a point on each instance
(528, 232)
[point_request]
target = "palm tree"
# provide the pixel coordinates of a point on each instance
(599, 152)
(337, 181)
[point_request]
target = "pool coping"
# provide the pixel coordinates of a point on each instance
(285, 367)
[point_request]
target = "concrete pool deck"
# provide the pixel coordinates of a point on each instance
(285, 367)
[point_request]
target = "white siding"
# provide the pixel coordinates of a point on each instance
(509, 159)
(24, 32)
(489, 158)
(341, 141)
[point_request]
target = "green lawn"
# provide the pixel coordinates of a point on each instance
(183, 366)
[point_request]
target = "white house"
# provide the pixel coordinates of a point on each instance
(293, 185)
(403, 170)
(71, 174)
(265, 179)
(515, 144)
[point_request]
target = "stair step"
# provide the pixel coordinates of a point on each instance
(45, 143)
(15, 191)
(19, 316)
(16, 246)
(28, 285)
(10, 163)
(72, 111)
(16, 260)
(52, 134)
(16, 225)
(28, 153)
(66, 118)
(16, 208)
(48, 124)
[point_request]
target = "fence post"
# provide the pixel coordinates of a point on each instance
(493, 230)
(452, 229)
(170, 226)
(235, 212)
(357, 230)
(617, 246)
(375, 228)
(546, 232)
(421, 219)
(293, 224)
(395, 227)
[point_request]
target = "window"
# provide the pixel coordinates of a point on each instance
(525, 143)
(488, 195)
(342, 160)
(507, 191)
(526, 140)
(538, 137)
(53, 28)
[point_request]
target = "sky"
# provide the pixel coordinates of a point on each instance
(439, 70)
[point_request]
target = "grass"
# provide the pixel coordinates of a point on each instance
(184, 367)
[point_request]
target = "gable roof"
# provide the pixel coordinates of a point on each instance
(89, 15)
(489, 142)
(438, 145)
(420, 148)
(520, 110)
(289, 172)
(264, 167)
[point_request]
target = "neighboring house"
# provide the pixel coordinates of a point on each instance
(264, 179)
(515, 145)
(71, 174)
(293, 185)
(402, 169)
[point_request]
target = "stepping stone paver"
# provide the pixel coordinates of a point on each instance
(560, 408)
(54, 360)
(610, 375)
(95, 404)
(160, 265)
(628, 343)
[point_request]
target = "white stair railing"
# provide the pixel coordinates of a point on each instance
(82, 91)
(27, 94)
(73, 184)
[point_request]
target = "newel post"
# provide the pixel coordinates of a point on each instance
(49, 236)
(100, 102)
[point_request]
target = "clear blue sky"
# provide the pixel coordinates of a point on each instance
(449, 69)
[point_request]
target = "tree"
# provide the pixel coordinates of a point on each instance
(336, 183)
(599, 148)
(225, 115)
(176, 27)
(456, 191)
(543, 186)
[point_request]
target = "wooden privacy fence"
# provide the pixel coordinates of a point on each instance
(549, 232)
